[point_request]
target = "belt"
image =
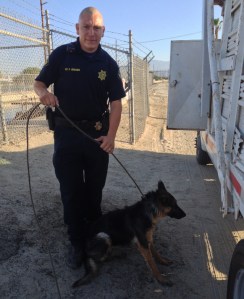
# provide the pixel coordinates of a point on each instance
(82, 124)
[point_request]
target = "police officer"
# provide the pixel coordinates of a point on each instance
(86, 78)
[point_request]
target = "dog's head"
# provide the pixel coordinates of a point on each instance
(163, 203)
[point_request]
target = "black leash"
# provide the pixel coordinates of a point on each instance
(30, 189)
(32, 202)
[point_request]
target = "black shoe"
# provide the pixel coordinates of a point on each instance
(75, 257)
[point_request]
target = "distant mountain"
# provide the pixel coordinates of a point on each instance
(159, 65)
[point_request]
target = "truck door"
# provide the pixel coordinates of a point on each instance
(188, 105)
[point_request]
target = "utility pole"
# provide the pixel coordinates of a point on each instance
(43, 27)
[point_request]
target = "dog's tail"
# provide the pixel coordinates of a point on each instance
(97, 250)
(91, 272)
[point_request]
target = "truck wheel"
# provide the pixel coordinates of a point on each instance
(201, 155)
(235, 287)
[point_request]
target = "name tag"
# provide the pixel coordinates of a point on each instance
(71, 69)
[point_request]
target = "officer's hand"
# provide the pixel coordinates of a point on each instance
(49, 99)
(107, 143)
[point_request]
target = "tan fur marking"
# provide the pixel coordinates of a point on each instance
(161, 213)
(146, 253)
(158, 257)
(149, 234)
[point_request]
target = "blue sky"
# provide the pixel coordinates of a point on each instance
(149, 20)
(154, 23)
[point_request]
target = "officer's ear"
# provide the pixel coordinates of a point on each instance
(103, 30)
(77, 28)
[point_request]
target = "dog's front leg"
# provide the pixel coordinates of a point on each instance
(156, 255)
(146, 253)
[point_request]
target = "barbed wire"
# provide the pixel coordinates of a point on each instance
(60, 20)
(31, 4)
(52, 26)
(18, 15)
(172, 37)
(135, 46)
(117, 33)
(17, 3)
(116, 39)
(136, 42)
(55, 20)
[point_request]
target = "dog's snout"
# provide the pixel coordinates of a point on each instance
(177, 213)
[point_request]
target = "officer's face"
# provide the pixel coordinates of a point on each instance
(90, 30)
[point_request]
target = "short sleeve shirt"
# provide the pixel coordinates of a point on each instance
(83, 82)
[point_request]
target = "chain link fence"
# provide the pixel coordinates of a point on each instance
(21, 52)
(140, 96)
(24, 49)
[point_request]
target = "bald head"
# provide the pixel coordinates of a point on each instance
(91, 11)
(90, 29)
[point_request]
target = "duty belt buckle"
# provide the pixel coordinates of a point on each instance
(98, 126)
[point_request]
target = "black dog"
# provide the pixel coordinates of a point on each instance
(136, 224)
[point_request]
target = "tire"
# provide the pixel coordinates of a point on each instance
(201, 155)
(235, 287)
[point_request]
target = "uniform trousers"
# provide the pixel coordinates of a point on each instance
(81, 169)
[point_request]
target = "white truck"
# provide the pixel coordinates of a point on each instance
(206, 94)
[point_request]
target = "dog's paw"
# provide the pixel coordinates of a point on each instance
(168, 262)
(165, 262)
(165, 281)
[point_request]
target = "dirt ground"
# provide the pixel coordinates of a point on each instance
(200, 245)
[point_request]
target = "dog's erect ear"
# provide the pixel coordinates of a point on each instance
(161, 186)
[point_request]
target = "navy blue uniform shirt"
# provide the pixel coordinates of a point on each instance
(83, 82)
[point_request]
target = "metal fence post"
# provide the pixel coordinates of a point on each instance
(3, 121)
(147, 81)
(48, 35)
(131, 89)
(147, 87)
(48, 39)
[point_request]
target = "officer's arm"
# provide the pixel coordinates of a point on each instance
(115, 116)
(108, 141)
(46, 98)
